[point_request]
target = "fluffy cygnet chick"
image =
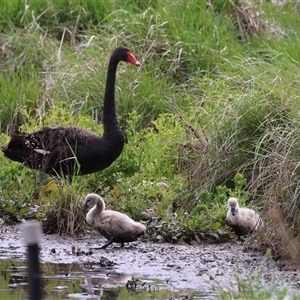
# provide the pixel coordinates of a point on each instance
(243, 220)
(113, 225)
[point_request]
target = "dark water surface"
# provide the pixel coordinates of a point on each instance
(73, 281)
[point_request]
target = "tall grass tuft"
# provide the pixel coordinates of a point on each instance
(63, 207)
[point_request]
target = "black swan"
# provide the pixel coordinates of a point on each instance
(113, 225)
(57, 150)
(242, 220)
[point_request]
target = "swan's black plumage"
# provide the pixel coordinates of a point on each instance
(57, 150)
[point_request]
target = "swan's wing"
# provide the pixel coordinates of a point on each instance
(110, 224)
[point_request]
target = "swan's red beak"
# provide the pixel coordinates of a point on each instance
(132, 59)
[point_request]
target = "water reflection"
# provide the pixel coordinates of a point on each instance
(74, 281)
(95, 284)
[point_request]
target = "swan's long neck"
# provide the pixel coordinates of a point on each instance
(100, 206)
(110, 121)
(95, 211)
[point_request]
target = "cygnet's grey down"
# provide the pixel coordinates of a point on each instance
(243, 220)
(113, 225)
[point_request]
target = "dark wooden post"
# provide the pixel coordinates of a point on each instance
(32, 231)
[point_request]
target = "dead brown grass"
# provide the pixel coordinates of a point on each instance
(250, 20)
(288, 246)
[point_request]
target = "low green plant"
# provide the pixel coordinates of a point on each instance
(17, 188)
(176, 216)
(144, 171)
(209, 210)
(254, 287)
(16, 192)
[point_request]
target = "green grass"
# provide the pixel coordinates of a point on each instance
(216, 98)
(259, 284)
(253, 287)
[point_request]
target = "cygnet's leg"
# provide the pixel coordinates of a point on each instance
(107, 244)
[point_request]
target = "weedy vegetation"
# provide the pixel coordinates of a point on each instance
(213, 112)
(254, 287)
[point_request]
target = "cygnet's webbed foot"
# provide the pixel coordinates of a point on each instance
(105, 246)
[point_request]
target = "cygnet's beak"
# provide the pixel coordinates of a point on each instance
(233, 211)
(84, 208)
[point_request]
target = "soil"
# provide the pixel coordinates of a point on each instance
(199, 267)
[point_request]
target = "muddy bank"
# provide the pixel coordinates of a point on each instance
(200, 267)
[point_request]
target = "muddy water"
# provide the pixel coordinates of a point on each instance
(74, 269)
(72, 281)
